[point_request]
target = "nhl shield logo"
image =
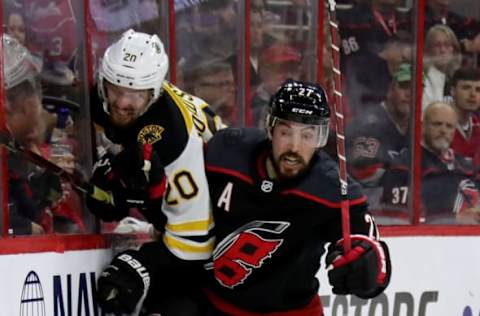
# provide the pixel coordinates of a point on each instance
(267, 186)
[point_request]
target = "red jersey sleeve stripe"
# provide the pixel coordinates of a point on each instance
(231, 173)
(331, 204)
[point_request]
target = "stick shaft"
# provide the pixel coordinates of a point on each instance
(38, 160)
(339, 126)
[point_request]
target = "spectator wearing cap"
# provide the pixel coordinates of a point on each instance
(277, 63)
(376, 138)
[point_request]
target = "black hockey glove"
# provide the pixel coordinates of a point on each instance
(106, 197)
(141, 176)
(364, 271)
(134, 178)
(122, 284)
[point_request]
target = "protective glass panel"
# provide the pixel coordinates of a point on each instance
(108, 20)
(283, 45)
(46, 115)
(377, 56)
(207, 49)
(451, 101)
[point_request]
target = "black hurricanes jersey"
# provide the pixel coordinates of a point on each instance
(270, 235)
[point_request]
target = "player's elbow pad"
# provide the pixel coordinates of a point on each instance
(364, 271)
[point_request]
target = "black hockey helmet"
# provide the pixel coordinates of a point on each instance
(301, 102)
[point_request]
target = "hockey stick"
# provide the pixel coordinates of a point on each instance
(339, 126)
(74, 179)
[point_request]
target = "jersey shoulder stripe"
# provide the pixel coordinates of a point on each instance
(176, 95)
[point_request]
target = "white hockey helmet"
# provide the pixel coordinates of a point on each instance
(18, 64)
(137, 61)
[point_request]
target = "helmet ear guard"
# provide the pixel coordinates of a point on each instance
(136, 61)
(303, 103)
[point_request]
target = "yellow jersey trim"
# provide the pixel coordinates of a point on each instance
(180, 103)
(188, 247)
(202, 225)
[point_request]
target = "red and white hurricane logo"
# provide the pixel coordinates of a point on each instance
(239, 253)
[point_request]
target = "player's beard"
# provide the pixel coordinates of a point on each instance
(289, 172)
(122, 118)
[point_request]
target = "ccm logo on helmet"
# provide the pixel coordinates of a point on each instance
(301, 111)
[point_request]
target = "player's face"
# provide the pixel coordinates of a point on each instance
(293, 145)
(466, 94)
(125, 105)
(439, 128)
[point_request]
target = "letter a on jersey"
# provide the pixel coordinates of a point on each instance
(225, 197)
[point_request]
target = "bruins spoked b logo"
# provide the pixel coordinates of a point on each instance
(150, 134)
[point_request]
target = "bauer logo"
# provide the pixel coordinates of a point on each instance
(32, 301)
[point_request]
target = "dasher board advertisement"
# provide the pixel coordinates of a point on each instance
(431, 276)
(51, 284)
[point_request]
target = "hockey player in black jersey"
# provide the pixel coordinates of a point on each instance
(276, 203)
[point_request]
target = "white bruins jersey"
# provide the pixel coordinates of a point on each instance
(177, 125)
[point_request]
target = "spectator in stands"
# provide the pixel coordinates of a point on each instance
(467, 30)
(448, 192)
(31, 190)
(368, 75)
(219, 19)
(16, 27)
(213, 82)
(376, 138)
(258, 40)
(367, 26)
(465, 92)
(277, 63)
(53, 36)
(442, 59)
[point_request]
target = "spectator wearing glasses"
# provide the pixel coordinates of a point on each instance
(213, 81)
(442, 58)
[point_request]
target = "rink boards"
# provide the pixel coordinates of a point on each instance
(434, 276)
